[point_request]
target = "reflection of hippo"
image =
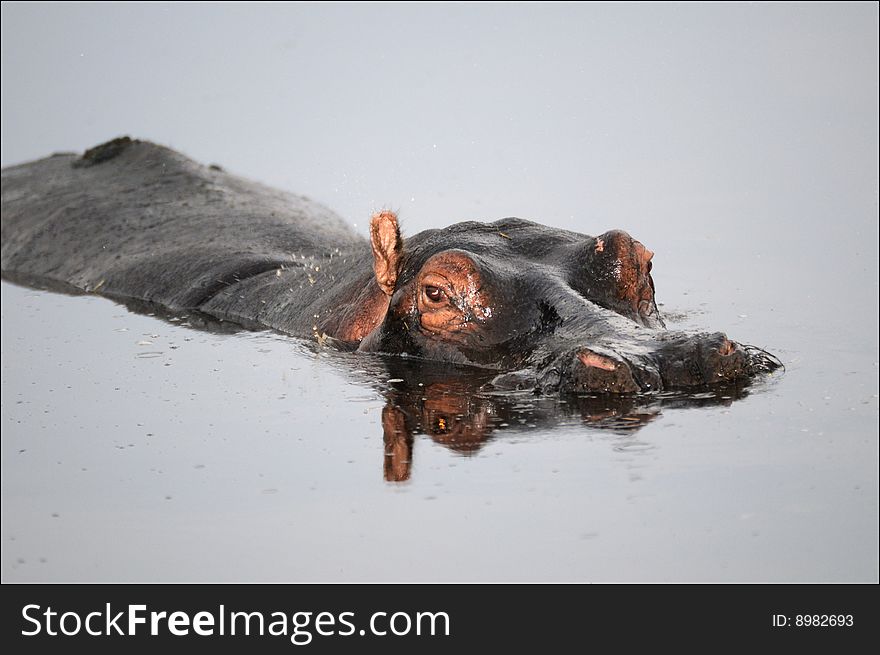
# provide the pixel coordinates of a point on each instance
(461, 410)
(551, 309)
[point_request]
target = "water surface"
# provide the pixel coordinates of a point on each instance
(137, 449)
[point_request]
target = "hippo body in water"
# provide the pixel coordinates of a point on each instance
(548, 309)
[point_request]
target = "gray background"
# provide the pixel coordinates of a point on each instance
(580, 115)
(739, 142)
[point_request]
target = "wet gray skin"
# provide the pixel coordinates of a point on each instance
(549, 309)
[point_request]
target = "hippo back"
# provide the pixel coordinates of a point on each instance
(131, 219)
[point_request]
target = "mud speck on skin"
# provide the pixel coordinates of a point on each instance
(104, 152)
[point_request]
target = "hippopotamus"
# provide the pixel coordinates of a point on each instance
(542, 308)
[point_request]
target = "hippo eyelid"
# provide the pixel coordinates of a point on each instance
(434, 294)
(435, 288)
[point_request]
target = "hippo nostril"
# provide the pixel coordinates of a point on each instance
(590, 359)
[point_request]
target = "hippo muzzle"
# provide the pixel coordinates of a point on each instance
(684, 363)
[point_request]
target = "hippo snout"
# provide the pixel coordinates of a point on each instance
(592, 370)
(702, 360)
(680, 362)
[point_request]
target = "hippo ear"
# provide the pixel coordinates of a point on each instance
(386, 242)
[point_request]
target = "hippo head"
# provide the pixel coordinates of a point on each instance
(551, 309)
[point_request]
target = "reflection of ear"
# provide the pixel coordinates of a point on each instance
(386, 243)
(398, 444)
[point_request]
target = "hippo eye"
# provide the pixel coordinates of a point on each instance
(434, 294)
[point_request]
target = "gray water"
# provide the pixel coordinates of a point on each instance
(738, 142)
